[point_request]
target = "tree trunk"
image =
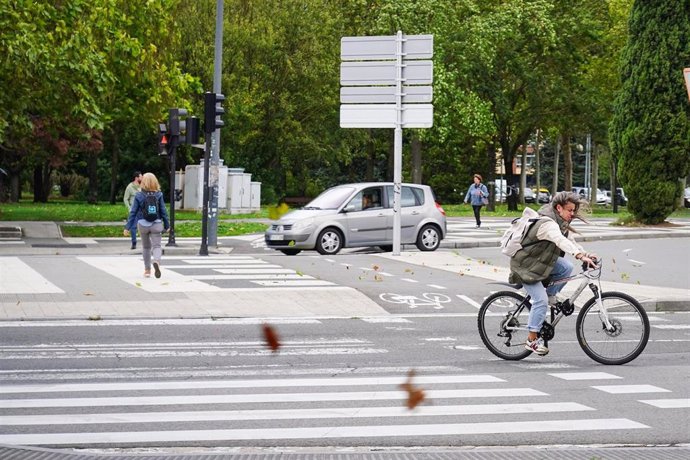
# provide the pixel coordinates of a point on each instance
(371, 157)
(523, 175)
(554, 186)
(595, 173)
(391, 157)
(567, 162)
(537, 168)
(114, 163)
(416, 147)
(92, 168)
(41, 183)
(511, 178)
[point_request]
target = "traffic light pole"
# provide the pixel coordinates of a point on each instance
(203, 250)
(171, 157)
(215, 158)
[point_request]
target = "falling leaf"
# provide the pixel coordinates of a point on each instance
(613, 260)
(415, 396)
(87, 293)
(271, 338)
(291, 243)
(625, 276)
(378, 278)
(299, 273)
(408, 270)
(495, 270)
(375, 268)
(137, 284)
(18, 302)
(275, 212)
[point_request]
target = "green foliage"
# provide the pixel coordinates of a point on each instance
(650, 130)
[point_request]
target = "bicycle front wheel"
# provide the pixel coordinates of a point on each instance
(624, 340)
(502, 324)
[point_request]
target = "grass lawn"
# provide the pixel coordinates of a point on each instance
(188, 223)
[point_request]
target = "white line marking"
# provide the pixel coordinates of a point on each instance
(237, 271)
(585, 376)
(264, 398)
(305, 282)
(330, 260)
(627, 389)
(409, 280)
(252, 383)
(436, 286)
(16, 277)
(668, 403)
(385, 319)
(475, 304)
(672, 326)
(324, 432)
(276, 276)
(290, 414)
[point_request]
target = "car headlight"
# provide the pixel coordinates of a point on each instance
(302, 224)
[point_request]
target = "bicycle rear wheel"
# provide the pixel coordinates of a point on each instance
(503, 331)
(628, 336)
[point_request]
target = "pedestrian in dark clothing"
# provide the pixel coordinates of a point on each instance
(478, 196)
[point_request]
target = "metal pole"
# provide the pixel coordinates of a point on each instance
(203, 250)
(171, 234)
(397, 146)
(215, 154)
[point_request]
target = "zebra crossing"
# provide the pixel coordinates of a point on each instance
(180, 274)
(310, 408)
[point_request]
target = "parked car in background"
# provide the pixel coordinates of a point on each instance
(601, 197)
(530, 196)
(544, 196)
(620, 197)
(360, 215)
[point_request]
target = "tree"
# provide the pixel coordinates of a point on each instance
(650, 129)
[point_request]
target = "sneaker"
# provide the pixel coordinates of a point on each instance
(134, 246)
(157, 269)
(147, 273)
(555, 300)
(537, 346)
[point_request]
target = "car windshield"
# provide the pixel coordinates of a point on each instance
(332, 198)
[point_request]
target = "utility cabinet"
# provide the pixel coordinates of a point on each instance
(194, 185)
(238, 191)
(255, 199)
(179, 189)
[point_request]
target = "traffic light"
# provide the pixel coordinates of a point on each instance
(177, 125)
(163, 141)
(193, 125)
(213, 109)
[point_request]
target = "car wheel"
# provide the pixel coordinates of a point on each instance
(329, 242)
(429, 238)
(290, 252)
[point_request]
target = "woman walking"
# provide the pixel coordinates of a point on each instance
(478, 196)
(148, 209)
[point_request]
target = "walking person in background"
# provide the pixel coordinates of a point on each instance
(148, 214)
(478, 196)
(131, 190)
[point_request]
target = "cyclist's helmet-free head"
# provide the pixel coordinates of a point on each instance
(563, 198)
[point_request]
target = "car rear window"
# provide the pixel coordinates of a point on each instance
(411, 196)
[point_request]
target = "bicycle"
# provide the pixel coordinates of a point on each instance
(612, 327)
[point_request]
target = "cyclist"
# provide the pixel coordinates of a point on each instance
(541, 258)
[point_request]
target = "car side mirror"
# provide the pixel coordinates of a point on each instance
(349, 208)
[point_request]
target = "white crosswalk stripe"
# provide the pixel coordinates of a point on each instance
(280, 408)
(208, 274)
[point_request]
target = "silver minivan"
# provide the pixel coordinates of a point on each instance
(359, 215)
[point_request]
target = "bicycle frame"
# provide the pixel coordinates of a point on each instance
(588, 277)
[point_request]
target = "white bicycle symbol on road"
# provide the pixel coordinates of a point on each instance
(428, 299)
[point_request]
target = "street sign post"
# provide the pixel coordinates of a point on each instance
(385, 83)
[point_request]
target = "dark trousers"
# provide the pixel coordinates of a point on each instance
(476, 209)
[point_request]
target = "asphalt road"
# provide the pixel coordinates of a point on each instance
(333, 382)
